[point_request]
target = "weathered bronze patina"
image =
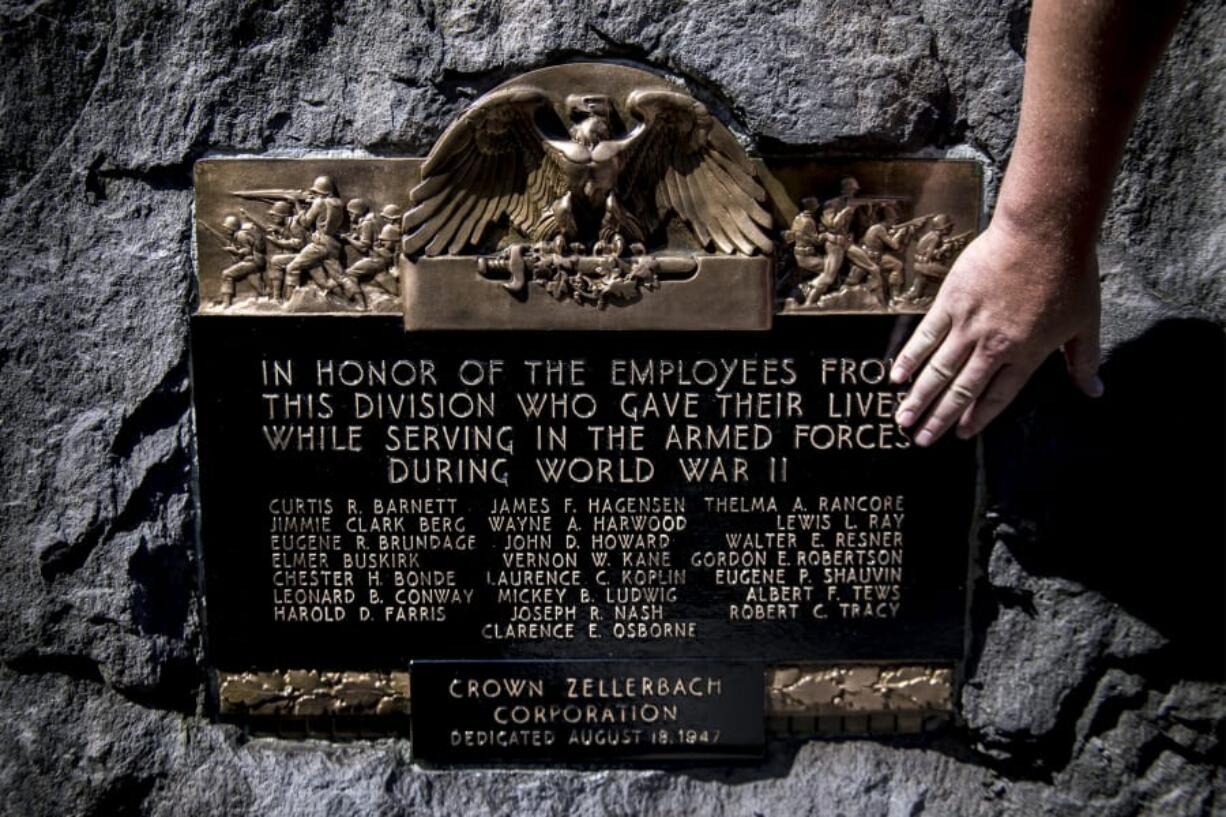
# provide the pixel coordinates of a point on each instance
(588, 196)
(882, 241)
(624, 206)
(300, 236)
(800, 700)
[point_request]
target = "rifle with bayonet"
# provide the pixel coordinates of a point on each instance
(274, 194)
(953, 245)
(918, 221)
(906, 230)
(227, 242)
(264, 228)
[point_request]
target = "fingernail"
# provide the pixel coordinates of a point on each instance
(924, 438)
(1096, 387)
(906, 417)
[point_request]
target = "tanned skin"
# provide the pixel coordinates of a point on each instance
(1029, 284)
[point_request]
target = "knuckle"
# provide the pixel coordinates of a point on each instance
(960, 305)
(953, 300)
(961, 394)
(997, 345)
(928, 332)
(940, 371)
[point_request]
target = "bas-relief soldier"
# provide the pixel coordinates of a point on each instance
(321, 257)
(876, 263)
(379, 267)
(836, 237)
(284, 231)
(310, 229)
(805, 237)
(934, 255)
(390, 214)
(880, 253)
(363, 226)
(246, 244)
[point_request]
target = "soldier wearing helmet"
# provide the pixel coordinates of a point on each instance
(378, 267)
(934, 255)
(390, 214)
(804, 238)
(363, 227)
(286, 233)
(246, 244)
(325, 216)
(881, 250)
(836, 237)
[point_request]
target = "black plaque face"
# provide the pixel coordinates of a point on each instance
(582, 711)
(371, 496)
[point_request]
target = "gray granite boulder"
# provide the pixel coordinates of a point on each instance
(1094, 681)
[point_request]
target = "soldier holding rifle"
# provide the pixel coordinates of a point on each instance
(879, 253)
(285, 232)
(245, 242)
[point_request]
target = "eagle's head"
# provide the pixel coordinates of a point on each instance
(593, 112)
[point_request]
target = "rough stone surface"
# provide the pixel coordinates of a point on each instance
(1095, 681)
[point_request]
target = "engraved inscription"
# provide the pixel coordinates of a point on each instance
(637, 500)
(572, 710)
(567, 566)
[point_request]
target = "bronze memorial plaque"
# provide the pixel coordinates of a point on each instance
(573, 441)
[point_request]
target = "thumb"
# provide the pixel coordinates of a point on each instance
(1081, 356)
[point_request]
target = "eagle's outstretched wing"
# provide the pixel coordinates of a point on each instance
(693, 167)
(491, 161)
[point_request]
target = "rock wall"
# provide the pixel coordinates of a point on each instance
(1095, 678)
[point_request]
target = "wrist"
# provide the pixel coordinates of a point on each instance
(1049, 203)
(1059, 242)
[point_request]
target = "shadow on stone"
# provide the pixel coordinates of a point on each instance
(1127, 492)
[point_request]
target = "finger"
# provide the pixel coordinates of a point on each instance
(937, 375)
(1004, 387)
(926, 337)
(964, 420)
(958, 397)
(1081, 356)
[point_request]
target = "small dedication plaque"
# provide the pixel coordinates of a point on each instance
(585, 711)
(574, 440)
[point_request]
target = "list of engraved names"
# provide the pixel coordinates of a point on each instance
(646, 495)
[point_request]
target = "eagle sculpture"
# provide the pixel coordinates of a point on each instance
(587, 181)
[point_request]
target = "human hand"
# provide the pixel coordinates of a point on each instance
(1011, 299)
